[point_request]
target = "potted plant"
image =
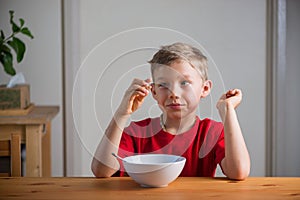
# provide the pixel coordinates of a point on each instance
(11, 42)
(18, 97)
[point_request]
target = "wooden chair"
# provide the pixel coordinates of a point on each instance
(12, 148)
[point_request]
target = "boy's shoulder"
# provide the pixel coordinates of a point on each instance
(146, 126)
(207, 122)
(144, 122)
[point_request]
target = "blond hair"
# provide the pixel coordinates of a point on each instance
(180, 51)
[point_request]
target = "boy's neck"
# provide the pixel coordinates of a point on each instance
(177, 127)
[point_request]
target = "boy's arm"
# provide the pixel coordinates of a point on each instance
(103, 163)
(236, 164)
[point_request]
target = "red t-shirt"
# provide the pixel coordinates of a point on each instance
(202, 145)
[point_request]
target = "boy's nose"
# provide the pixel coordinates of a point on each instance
(173, 96)
(174, 92)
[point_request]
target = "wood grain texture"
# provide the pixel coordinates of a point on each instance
(34, 150)
(125, 188)
(15, 147)
(17, 112)
(38, 115)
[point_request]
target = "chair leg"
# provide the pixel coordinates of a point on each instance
(5, 152)
(15, 146)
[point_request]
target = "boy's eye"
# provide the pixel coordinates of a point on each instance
(185, 83)
(162, 85)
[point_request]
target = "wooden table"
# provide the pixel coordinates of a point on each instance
(125, 188)
(35, 131)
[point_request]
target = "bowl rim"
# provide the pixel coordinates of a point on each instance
(178, 159)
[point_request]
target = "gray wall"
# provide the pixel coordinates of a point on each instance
(232, 34)
(288, 149)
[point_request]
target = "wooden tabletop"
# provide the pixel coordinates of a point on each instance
(125, 188)
(38, 115)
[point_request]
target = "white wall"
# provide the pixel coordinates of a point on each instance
(232, 34)
(42, 64)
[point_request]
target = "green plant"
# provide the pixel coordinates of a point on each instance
(12, 42)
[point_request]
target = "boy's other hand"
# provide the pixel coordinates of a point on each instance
(230, 98)
(134, 96)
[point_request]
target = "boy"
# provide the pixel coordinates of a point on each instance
(180, 81)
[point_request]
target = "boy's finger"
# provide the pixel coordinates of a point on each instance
(148, 84)
(231, 93)
(148, 80)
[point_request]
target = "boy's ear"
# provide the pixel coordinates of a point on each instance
(206, 88)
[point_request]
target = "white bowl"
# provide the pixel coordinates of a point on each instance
(154, 170)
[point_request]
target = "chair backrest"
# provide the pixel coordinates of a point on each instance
(12, 148)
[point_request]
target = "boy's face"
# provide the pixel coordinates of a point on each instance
(178, 88)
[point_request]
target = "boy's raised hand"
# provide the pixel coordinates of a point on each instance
(231, 97)
(134, 96)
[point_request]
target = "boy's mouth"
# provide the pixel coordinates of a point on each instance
(175, 106)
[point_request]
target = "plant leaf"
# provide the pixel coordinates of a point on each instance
(15, 27)
(4, 48)
(7, 61)
(11, 13)
(27, 32)
(2, 36)
(22, 22)
(19, 48)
